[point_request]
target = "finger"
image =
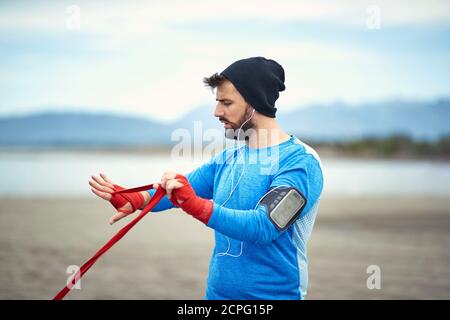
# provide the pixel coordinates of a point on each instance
(103, 182)
(167, 176)
(155, 185)
(106, 179)
(117, 217)
(171, 185)
(100, 188)
(103, 195)
(169, 188)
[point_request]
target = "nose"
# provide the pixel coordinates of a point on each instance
(218, 112)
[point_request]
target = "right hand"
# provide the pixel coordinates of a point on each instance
(103, 187)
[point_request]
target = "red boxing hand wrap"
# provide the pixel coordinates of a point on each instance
(157, 196)
(192, 204)
(118, 200)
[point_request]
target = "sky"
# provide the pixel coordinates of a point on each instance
(148, 58)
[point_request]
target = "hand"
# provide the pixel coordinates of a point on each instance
(103, 187)
(181, 194)
(170, 183)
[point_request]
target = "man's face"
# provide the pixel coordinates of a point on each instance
(232, 110)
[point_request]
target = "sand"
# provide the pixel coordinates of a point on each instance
(166, 255)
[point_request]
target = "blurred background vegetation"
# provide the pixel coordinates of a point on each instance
(392, 147)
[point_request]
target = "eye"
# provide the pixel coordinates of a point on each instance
(227, 103)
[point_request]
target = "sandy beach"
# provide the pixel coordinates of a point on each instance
(166, 255)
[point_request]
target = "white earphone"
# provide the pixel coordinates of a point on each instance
(221, 254)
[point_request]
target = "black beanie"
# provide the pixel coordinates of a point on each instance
(258, 80)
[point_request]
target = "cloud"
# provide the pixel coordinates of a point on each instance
(149, 57)
(143, 17)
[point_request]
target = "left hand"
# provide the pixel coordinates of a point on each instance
(169, 183)
(181, 194)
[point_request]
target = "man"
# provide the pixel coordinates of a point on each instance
(262, 211)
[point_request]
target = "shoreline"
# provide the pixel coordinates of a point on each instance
(324, 153)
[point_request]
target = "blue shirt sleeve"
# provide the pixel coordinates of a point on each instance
(304, 175)
(245, 225)
(163, 204)
(255, 225)
(202, 180)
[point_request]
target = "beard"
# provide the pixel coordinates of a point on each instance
(241, 129)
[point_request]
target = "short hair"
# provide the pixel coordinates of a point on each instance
(214, 81)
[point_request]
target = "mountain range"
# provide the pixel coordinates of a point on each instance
(326, 122)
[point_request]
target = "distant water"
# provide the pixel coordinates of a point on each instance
(67, 174)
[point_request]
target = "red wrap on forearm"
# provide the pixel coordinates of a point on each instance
(186, 199)
(118, 200)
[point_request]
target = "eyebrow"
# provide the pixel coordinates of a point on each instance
(224, 100)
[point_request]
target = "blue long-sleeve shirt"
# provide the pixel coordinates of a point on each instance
(252, 259)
